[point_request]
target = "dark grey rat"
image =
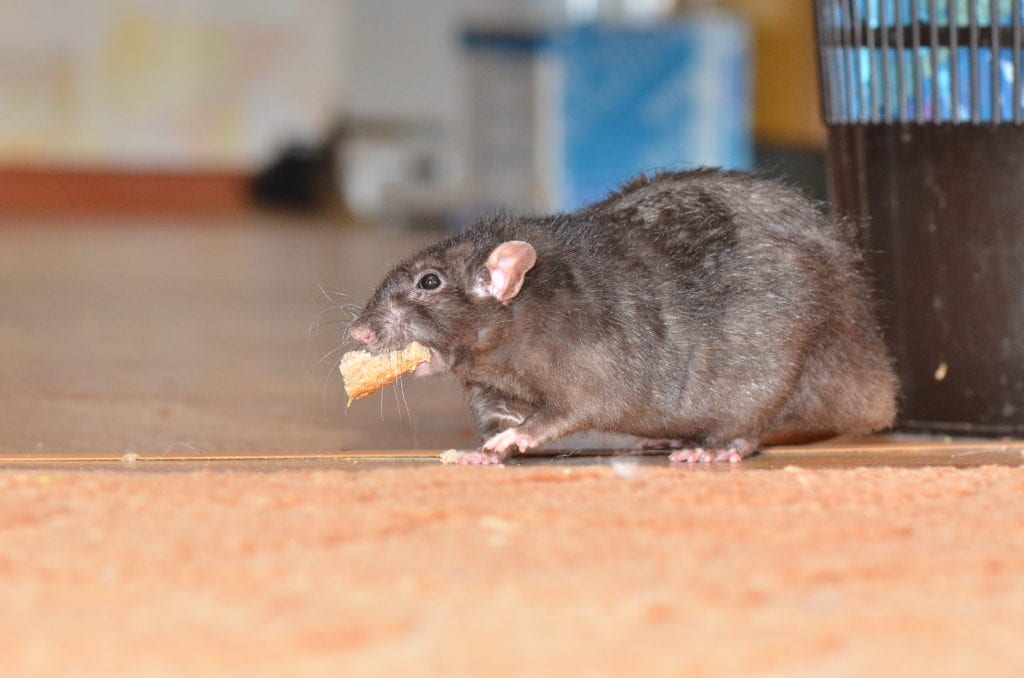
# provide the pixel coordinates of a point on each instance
(706, 311)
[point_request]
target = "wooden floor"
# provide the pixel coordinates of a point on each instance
(216, 342)
(161, 337)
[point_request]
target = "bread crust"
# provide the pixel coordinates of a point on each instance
(364, 374)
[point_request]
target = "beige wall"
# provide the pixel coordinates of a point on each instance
(221, 83)
(159, 83)
(786, 90)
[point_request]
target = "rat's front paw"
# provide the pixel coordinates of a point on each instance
(479, 458)
(500, 443)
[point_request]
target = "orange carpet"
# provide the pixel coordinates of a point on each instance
(549, 570)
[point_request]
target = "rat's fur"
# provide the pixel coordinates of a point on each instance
(710, 307)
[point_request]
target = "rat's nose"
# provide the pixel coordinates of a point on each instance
(363, 334)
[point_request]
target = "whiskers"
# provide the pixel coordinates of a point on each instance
(339, 316)
(347, 310)
(397, 389)
(400, 389)
(323, 354)
(327, 355)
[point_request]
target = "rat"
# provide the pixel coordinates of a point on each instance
(703, 311)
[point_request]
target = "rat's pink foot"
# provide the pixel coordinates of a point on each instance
(733, 454)
(692, 455)
(730, 455)
(501, 442)
(480, 458)
(664, 444)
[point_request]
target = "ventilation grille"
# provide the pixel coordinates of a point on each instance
(920, 61)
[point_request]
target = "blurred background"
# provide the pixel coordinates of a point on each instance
(195, 194)
(394, 109)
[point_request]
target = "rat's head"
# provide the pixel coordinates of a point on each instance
(444, 297)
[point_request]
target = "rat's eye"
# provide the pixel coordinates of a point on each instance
(429, 281)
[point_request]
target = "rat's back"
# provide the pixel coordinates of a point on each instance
(770, 290)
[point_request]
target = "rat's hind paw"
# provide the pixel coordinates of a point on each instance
(500, 443)
(692, 455)
(734, 453)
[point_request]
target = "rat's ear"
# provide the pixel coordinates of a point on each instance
(508, 265)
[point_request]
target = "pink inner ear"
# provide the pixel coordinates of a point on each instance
(498, 281)
(508, 264)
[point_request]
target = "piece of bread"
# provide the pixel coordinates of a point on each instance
(365, 374)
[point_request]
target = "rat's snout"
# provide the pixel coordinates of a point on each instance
(382, 326)
(363, 334)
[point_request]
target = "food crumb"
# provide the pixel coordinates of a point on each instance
(129, 457)
(940, 371)
(625, 467)
(450, 456)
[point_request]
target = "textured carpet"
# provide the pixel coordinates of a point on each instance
(429, 570)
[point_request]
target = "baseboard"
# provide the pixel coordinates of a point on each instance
(111, 191)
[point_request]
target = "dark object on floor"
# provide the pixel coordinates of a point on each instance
(713, 309)
(299, 179)
(930, 161)
(946, 240)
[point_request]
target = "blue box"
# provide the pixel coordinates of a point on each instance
(559, 118)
